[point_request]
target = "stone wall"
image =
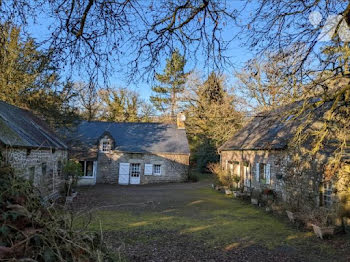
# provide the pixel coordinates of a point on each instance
(296, 182)
(174, 168)
(276, 159)
(30, 163)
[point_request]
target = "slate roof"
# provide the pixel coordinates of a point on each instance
(271, 130)
(130, 137)
(20, 128)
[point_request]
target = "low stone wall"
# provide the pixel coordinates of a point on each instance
(174, 168)
(29, 164)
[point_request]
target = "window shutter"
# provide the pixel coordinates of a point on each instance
(148, 169)
(124, 168)
(94, 169)
(268, 174)
(257, 172)
(239, 170)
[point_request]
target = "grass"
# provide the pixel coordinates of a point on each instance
(199, 176)
(217, 220)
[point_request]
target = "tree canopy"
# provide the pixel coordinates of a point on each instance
(29, 79)
(212, 117)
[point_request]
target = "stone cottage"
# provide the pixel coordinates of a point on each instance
(260, 154)
(32, 149)
(130, 153)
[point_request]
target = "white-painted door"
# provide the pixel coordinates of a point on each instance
(135, 174)
(124, 173)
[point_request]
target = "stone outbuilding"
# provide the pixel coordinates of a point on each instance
(130, 153)
(261, 155)
(32, 149)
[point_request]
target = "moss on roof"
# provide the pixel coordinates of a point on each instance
(8, 135)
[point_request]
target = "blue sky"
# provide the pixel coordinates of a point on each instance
(238, 52)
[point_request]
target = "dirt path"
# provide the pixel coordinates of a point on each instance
(191, 222)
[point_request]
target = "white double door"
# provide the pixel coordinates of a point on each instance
(127, 176)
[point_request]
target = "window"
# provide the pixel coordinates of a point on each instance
(43, 169)
(326, 194)
(157, 170)
(263, 173)
(135, 170)
(32, 174)
(87, 168)
(106, 146)
(59, 168)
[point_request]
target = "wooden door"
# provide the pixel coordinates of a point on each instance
(124, 173)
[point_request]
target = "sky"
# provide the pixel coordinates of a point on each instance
(238, 53)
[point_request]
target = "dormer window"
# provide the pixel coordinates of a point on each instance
(106, 143)
(106, 146)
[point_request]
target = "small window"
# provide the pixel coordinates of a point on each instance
(106, 146)
(32, 175)
(28, 151)
(326, 194)
(157, 169)
(135, 170)
(262, 172)
(43, 169)
(59, 168)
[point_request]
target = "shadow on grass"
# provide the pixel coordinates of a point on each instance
(215, 220)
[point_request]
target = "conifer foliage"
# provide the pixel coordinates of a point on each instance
(212, 118)
(171, 84)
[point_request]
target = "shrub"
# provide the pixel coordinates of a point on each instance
(72, 171)
(222, 177)
(30, 231)
(193, 177)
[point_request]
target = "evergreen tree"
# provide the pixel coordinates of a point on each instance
(28, 78)
(212, 118)
(166, 95)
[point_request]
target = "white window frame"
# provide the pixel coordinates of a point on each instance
(266, 175)
(327, 194)
(106, 145)
(85, 169)
(154, 170)
(133, 169)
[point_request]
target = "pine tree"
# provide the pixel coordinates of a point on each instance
(212, 118)
(166, 95)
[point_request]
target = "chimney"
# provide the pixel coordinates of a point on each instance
(180, 120)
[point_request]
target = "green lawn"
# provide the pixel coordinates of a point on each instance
(215, 219)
